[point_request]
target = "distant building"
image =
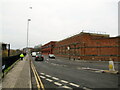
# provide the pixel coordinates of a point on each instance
(89, 46)
(29, 49)
(48, 48)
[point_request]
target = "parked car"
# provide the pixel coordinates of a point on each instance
(39, 57)
(51, 56)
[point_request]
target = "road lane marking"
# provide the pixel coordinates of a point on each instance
(38, 80)
(47, 75)
(86, 88)
(49, 80)
(64, 81)
(90, 69)
(54, 64)
(42, 76)
(59, 84)
(56, 83)
(55, 78)
(38, 86)
(67, 87)
(97, 71)
(74, 84)
(42, 73)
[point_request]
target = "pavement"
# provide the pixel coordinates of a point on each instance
(19, 76)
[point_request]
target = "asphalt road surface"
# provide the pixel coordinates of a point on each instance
(63, 73)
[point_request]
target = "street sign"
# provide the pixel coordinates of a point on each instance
(111, 66)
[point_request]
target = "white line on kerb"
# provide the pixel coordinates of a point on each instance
(66, 87)
(48, 75)
(42, 73)
(49, 80)
(42, 76)
(59, 84)
(74, 84)
(64, 81)
(55, 78)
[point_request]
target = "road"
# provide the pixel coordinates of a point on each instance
(63, 73)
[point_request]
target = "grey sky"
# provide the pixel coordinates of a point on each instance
(54, 20)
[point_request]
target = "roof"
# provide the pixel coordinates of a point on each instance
(85, 33)
(49, 43)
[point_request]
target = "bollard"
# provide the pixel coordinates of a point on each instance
(111, 66)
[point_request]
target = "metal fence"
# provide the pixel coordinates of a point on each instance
(8, 61)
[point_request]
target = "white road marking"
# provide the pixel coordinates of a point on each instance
(59, 84)
(42, 76)
(56, 83)
(74, 84)
(86, 88)
(64, 81)
(67, 87)
(54, 64)
(42, 73)
(91, 69)
(55, 78)
(97, 71)
(48, 76)
(49, 80)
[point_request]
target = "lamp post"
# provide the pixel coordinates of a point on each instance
(28, 33)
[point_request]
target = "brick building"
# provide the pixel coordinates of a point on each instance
(89, 46)
(48, 48)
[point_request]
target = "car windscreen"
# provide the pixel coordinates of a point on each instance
(51, 55)
(39, 55)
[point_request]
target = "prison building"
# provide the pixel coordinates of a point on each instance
(48, 48)
(89, 46)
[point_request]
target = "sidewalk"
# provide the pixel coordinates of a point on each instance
(19, 76)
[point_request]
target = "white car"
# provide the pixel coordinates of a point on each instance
(33, 54)
(51, 56)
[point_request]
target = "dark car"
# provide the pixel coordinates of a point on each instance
(39, 57)
(51, 56)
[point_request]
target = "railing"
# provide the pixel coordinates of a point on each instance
(8, 61)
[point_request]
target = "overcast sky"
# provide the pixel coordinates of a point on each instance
(54, 20)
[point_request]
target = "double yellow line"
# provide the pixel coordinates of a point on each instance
(40, 85)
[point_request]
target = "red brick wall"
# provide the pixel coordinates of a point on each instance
(88, 47)
(48, 48)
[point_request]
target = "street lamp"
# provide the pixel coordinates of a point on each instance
(28, 33)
